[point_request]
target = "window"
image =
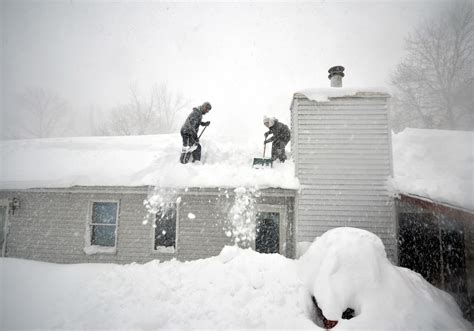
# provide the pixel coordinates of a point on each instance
(165, 229)
(104, 224)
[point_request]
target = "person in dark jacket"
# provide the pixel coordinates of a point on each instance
(280, 137)
(189, 133)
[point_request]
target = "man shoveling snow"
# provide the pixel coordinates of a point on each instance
(189, 133)
(280, 137)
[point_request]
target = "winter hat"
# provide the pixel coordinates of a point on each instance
(268, 121)
(206, 106)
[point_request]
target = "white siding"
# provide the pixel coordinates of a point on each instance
(50, 225)
(342, 151)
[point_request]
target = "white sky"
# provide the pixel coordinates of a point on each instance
(246, 58)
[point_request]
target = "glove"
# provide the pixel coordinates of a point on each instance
(206, 123)
(266, 134)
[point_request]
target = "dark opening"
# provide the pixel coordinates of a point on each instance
(419, 245)
(320, 320)
(165, 226)
(433, 246)
(268, 233)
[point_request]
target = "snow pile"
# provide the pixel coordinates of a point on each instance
(137, 161)
(237, 289)
(435, 164)
(348, 268)
(324, 94)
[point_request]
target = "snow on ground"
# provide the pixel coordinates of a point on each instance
(435, 164)
(137, 161)
(344, 268)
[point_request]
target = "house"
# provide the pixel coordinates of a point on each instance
(127, 199)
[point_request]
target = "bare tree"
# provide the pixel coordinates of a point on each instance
(155, 115)
(42, 114)
(167, 106)
(434, 82)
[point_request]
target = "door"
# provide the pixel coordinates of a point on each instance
(3, 229)
(267, 239)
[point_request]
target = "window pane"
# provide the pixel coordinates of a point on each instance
(165, 230)
(104, 213)
(103, 235)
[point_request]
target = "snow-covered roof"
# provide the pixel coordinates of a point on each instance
(435, 164)
(324, 94)
(137, 161)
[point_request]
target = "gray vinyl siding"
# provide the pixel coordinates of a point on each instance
(50, 225)
(342, 152)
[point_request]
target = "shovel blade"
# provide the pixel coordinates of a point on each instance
(262, 163)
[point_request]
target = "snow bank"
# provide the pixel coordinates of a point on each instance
(348, 268)
(237, 289)
(137, 161)
(324, 94)
(436, 164)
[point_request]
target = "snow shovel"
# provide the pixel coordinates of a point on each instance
(262, 162)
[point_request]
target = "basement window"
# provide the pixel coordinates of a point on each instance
(165, 229)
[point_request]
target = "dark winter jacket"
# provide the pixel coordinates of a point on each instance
(191, 125)
(280, 132)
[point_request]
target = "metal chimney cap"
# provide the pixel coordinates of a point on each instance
(336, 70)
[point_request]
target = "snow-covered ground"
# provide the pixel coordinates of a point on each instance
(344, 268)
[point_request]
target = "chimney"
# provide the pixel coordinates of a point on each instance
(335, 75)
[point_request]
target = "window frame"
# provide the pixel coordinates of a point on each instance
(5, 203)
(98, 249)
(282, 227)
(165, 249)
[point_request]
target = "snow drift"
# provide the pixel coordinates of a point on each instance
(238, 289)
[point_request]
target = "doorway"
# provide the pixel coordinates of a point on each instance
(270, 229)
(267, 238)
